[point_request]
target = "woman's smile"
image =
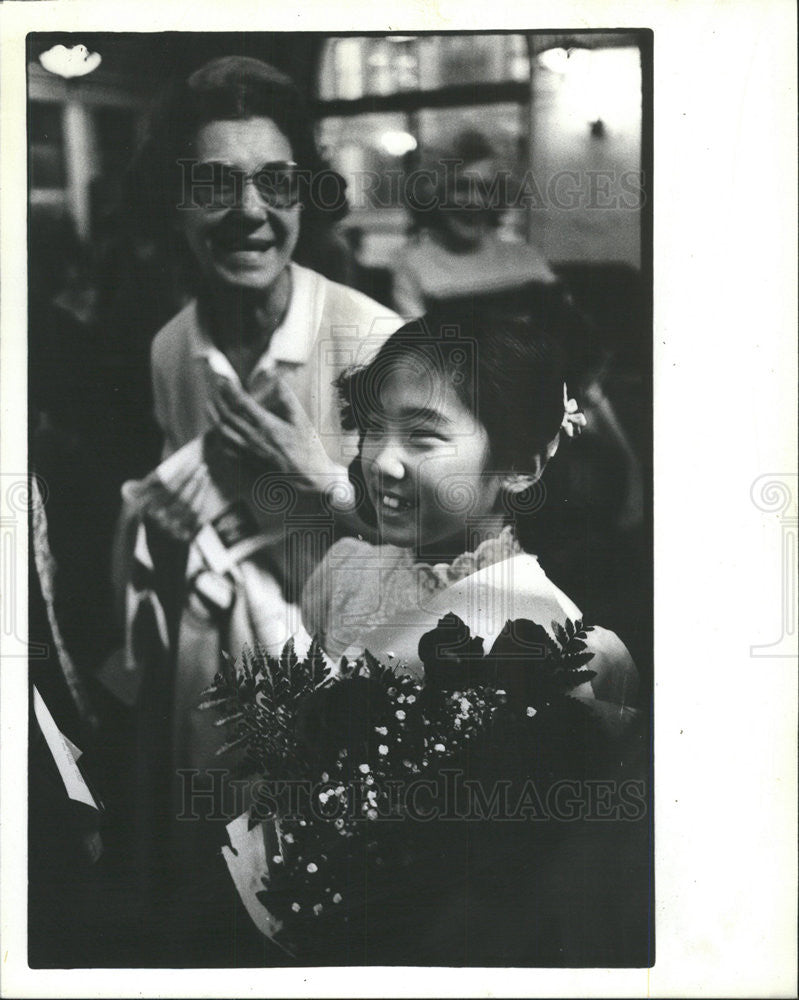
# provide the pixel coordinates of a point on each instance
(246, 243)
(245, 253)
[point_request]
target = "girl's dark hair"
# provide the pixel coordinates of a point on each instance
(508, 371)
(228, 88)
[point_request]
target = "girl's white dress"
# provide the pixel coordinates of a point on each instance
(377, 598)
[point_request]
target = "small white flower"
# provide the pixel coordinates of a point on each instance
(317, 909)
(311, 867)
(465, 705)
(324, 796)
(363, 768)
(382, 730)
(325, 776)
(289, 838)
(382, 749)
(411, 698)
(371, 814)
(277, 859)
(440, 747)
(337, 897)
(400, 714)
(530, 711)
(296, 907)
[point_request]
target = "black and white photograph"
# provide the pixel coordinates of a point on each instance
(340, 500)
(340, 382)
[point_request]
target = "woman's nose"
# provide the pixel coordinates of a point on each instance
(250, 202)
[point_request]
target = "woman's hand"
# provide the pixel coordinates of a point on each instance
(277, 437)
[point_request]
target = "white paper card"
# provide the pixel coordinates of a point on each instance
(64, 755)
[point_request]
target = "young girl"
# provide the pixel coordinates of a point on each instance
(457, 418)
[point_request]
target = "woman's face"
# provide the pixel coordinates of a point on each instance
(464, 217)
(424, 456)
(243, 242)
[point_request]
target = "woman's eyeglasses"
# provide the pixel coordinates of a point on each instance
(219, 185)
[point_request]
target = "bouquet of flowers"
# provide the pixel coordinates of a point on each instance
(357, 770)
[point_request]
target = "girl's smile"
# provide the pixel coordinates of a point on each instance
(424, 457)
(391, 503)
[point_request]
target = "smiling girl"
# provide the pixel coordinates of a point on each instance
(457, 417)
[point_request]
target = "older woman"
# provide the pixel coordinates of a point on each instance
(253, 484)
(240, 168)
(243, 387)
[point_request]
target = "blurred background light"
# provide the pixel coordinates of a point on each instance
(397, 143)
(68, 63)
(555, 60)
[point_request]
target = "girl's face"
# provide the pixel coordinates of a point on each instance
(424, 456)
(239, 241)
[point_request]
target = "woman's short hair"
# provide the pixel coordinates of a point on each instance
(228, 88)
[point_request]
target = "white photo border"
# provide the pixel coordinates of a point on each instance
(725, 294)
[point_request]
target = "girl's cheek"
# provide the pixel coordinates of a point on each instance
(368, 448)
